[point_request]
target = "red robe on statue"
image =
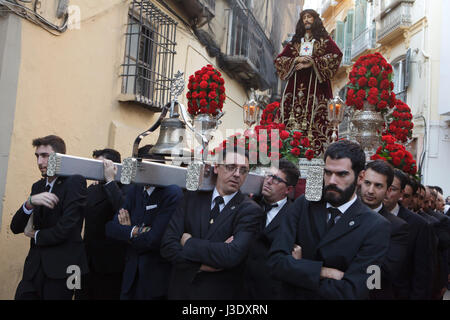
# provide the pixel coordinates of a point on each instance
(311, 88)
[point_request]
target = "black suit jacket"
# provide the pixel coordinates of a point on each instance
(414, 280)
(105, 255)
(144, 262)
(240, 218)
(59, 243)
(395, 258)
(259, 284)
(359, 239)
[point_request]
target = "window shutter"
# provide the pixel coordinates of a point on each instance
(360, 17)
(407, 69)
(340, 34)
(349, 33)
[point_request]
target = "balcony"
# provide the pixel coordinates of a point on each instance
(364, 42)
(198, 9)
(250, 54)
(394, 21)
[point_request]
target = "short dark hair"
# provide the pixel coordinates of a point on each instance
(383, 168)
(57, 143)
(290, 170)
(439, 190)
(413, 184)
(109, 154)
(348, 149)
(421, 186)
(400, 175)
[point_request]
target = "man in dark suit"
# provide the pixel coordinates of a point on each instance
(140, 224)
(278, 184)
(328, 249)
(106, 257)
(208, 237)
(374, 185)
(415, 278)
(52, 218)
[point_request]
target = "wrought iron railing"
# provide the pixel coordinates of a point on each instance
(363, 42)
(398, 17)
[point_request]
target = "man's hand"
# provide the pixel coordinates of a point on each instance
(185, 237)
(331, 273)
(45, 199)
(207, 268)
(124, 217)
(297, 252)
(29, 233)
(109, 170)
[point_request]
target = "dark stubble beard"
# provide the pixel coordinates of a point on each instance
(342, 197)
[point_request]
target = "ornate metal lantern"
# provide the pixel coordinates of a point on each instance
(251, 110)
(336, 110)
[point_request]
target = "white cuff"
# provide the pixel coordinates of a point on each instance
(35, 236)
(131, 233)
(28, 212)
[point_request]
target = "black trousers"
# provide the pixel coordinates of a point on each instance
(42, 287)
(99, 286)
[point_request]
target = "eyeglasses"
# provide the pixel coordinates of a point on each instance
(276, 179)
(231, 168)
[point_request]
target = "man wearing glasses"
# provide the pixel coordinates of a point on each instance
(278, 184)
(208, 237)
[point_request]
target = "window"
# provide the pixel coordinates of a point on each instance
(149, 54)
(401, 76)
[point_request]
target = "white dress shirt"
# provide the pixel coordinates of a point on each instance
(226, 199)
(274, 211)
(396, 210)
(343, 208)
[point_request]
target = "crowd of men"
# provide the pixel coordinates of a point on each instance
(375, 234)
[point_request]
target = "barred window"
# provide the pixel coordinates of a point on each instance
(149, 54)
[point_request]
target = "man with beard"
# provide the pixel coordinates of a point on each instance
(278, 184)
(377, 180)
(308, 63)
(52, 217)
(328, 249)
(208, 237)
(415, 279)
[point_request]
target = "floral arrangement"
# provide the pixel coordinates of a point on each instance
(206, 92)
(290, 145)
(396, 154)
(401, 126)
(371, 81)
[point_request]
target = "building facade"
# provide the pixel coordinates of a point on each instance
(409, 34)
(97, 73)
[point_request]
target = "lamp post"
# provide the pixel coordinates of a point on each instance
(336, 110)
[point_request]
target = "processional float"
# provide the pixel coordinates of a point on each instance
(198, 175)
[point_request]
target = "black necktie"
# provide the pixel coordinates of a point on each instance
(216, 210)
(47, 188)
(334, 214)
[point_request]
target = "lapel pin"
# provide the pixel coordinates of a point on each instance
(352, 223)
(232, 208)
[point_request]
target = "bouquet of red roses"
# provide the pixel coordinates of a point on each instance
(396, 154)
(401, 126)
(371, 81)
(206, 92)
(263, 146)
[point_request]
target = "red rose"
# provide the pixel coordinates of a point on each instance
(203, 84)
(396, 161)
(203, 103)
(295, 143)
(362, 71)
(213, 86)
(297, 135)
(222, 89)
(296, 152)
(362, 82)
(372, 100)
(384, 85)
(212, 95)
(284, 135)
(375, 70)
(373, 82)
(306, 143)
(202, 95)
(361, 94)
(213, 104)
(309, 154)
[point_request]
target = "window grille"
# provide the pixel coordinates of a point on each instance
(149, 54)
